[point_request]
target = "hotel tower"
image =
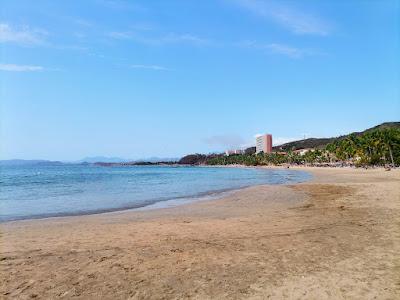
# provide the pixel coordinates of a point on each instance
(264, 143)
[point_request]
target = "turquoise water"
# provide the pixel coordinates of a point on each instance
(44, 191)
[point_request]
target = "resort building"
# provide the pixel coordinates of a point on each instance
(303, 151)
(264, 143)
(232, 152)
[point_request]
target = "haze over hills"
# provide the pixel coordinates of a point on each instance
(22, 162)
(89, 160)
(94, 159)
(105, 159)
(322, 142)
(295, 145)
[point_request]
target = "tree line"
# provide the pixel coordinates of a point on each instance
(377, 147)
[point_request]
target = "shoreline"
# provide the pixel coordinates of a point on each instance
(335, 236)
(153, 204)
(214, 195)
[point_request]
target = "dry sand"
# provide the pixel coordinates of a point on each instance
(336, 237)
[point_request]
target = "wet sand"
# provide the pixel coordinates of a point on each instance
(336, 237)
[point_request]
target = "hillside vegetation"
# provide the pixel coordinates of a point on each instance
(321, 143)
(379, 145)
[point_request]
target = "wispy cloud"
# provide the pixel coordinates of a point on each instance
(121, 5)
(276, 141)
(228, 141)
(185, 38)
(293, 19)
(282, 49)
(23, 36)
(120, 35)
(83, 22)
(29, 37)
(149, 67)
(20, 68)
(171, 38)
(287, 50)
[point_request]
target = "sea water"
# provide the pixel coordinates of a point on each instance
(37, 191)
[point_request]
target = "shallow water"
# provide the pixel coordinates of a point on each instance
(44, 191)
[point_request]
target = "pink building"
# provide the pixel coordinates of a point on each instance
(264, 143)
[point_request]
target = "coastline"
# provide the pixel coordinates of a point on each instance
(283, 241)
(207, 196)
(160, 203)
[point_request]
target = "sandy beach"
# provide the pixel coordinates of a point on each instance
(335, 237)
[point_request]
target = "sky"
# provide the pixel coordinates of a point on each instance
(138, 79)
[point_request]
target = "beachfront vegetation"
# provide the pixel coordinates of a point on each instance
(371, 148)
(321, 143)
(377, 147)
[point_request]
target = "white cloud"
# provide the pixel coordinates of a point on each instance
(286, 50)
(228, 141)
(149, 67)
(119, 35)
(171, 38)
(121, 5)
(293, 19)
(276, 141)
(24, 36)
(185, 38)
(276, 48)
(233, 141)
(20, 68)
(83, 22)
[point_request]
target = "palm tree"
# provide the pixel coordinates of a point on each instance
(390, 139)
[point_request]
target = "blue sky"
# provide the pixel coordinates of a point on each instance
(165, 78)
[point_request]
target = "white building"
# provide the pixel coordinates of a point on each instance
(303, 151)
(236, 151)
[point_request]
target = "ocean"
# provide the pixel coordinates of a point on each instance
(39, 191)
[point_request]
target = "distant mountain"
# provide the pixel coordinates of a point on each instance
(322, 142)
(104, 159)
(194, 159)
(94, 159)
(156, 159)
(25, 162)
(86, 160)
(381, 126)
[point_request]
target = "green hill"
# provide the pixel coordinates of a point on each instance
(322, 142)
